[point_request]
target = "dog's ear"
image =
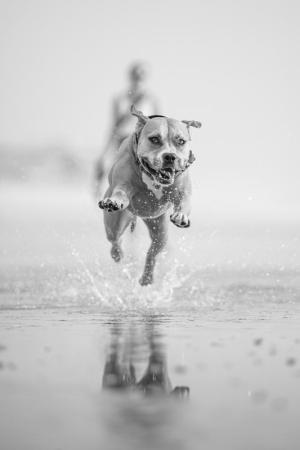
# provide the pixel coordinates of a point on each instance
(192, 123)
(141, 117)
(141, 120)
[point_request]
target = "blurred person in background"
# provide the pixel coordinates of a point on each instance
(123, 122)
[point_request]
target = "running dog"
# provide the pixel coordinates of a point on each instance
(149, 179)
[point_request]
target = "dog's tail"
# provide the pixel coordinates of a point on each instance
(133, 224)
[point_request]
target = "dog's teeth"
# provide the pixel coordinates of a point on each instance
(167, 174)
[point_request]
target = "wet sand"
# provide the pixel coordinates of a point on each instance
(222, 319)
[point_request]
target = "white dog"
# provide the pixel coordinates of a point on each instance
(148, 179)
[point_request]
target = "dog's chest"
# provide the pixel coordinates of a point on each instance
(156, 189)
(150, 202)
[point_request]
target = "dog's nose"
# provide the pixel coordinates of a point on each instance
(169, 157)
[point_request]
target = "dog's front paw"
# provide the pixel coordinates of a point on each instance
(181, 220)
(110, 205)
(146, 279)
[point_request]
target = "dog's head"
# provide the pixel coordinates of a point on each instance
(163, 145)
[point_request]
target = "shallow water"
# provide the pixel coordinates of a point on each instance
(90, 359)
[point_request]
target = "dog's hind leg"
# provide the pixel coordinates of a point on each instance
(115, 225)
(158, 229)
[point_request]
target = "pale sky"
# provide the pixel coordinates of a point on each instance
(233, 65)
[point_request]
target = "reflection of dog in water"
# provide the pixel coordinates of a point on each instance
(150, 180)
(119, 373)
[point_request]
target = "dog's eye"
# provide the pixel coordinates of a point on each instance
(181, 141)
(155, 140)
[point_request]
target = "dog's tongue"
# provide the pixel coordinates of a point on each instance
(167, 174)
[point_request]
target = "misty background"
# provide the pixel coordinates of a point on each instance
(232, 65)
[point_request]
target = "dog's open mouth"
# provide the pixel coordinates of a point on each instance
(167, 175)
(162, 176)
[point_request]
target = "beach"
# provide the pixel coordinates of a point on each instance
(222, 319)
